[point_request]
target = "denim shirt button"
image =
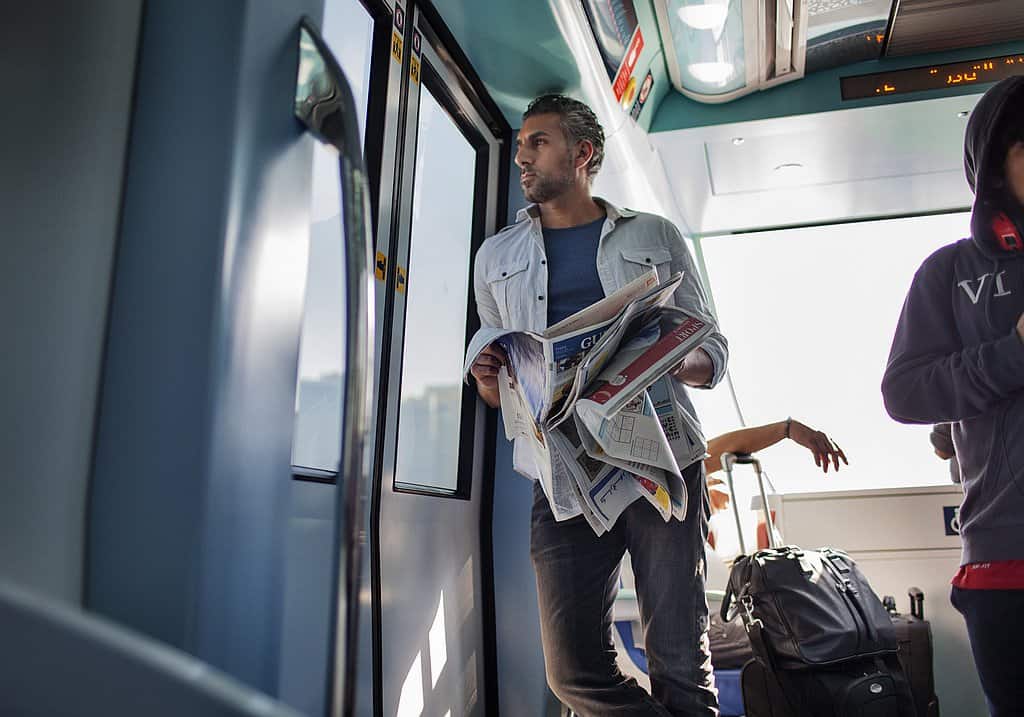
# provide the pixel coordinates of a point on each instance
(540, 298)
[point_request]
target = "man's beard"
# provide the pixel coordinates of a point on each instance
(546, 187)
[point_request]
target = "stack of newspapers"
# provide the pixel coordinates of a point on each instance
(589, 402)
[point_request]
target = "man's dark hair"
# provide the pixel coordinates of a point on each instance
(579, 123)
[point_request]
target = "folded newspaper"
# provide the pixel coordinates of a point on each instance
(589, 404)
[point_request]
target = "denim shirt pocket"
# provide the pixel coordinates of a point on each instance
(639, 259)
(508, 281)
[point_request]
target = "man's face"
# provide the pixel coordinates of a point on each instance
(545, 159)
(1014, 169)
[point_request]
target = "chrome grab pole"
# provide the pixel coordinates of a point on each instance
(325, 105)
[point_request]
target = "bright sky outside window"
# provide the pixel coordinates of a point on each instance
(809, 315)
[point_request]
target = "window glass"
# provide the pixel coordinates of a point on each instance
(716, 408)
(437, 297)
(810, 315)
(347, 30)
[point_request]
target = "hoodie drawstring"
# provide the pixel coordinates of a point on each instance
(996, 263)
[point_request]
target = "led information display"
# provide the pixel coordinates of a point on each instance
(934, 77)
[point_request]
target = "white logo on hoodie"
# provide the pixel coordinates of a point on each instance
(975, 295)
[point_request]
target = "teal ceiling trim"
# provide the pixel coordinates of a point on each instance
(652, 60)
(515, 48)
(660, 89)
(817, 92)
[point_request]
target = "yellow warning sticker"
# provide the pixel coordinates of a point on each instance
(380, 266)
(400, 283)
(396, 46)
(629, 93)
(414, 69)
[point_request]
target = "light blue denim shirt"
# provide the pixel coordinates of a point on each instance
(510, 280)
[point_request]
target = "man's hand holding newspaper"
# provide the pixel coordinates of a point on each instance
(589, 404)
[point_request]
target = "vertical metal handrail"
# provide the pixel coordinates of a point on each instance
(325, 105)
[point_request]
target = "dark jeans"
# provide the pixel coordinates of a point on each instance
(996, 629)
(577, 579)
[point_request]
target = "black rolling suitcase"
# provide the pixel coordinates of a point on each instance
(914, 635)
(762, 695)
(856, 688)
(823, 644)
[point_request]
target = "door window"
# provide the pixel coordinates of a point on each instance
(430, 416)
(316, 440)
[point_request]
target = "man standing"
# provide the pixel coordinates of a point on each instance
(567, 250)
(958, 357)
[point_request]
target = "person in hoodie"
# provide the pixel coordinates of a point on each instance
(958, 357)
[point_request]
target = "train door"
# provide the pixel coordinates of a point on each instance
(211, 511)
(442, 149)
(314, 644)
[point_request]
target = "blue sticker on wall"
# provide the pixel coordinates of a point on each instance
(951, 519)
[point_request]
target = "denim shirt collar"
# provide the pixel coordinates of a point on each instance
(532, 212)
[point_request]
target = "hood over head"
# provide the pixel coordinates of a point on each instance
(985, 146)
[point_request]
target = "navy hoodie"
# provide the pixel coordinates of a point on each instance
(956, 356)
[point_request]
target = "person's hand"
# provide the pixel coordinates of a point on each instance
(1020, 327)
(823, 448)
(485, 368)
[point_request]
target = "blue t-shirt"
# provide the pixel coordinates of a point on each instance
(573, 283)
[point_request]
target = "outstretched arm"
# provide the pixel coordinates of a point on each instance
(751, 440)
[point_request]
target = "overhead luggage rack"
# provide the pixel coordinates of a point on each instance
(922, 26)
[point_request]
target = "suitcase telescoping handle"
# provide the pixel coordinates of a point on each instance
(728, 461)
(916, 596)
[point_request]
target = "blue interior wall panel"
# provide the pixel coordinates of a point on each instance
(192, 472)
(67, 70)
(307, 596)
(522, 689)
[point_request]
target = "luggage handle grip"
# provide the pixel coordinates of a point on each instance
(743, 459)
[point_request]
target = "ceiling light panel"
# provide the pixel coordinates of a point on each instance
(718, 50)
